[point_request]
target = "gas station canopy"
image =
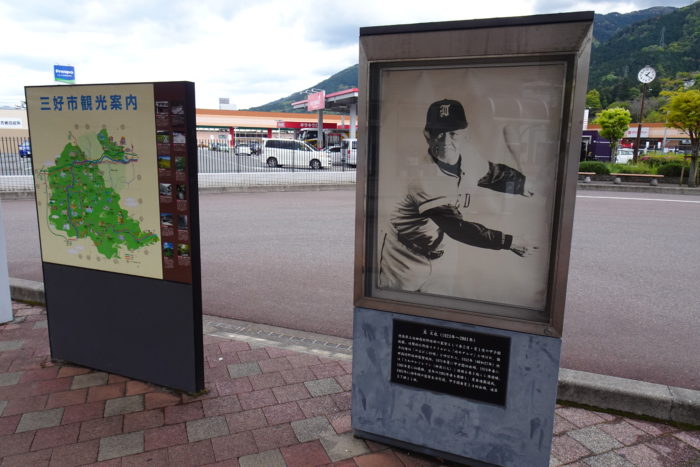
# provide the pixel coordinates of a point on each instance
(341, 101)
(344, 101)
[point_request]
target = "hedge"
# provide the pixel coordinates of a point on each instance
(631, 169)
(594, 166)
(672, 169)
(659, 160)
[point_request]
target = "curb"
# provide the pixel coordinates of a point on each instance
(627, 395)
(658, 401)
(638, 188)
(269, 188)
(582, 186)
(26, 194)
(23, 290)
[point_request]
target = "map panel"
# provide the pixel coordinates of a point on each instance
(96, 175)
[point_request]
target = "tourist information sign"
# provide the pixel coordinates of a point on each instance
(115, 171)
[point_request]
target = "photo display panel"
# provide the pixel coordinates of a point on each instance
(173, 182)
(466, 189)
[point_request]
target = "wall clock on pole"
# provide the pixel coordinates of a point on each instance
(646, 75)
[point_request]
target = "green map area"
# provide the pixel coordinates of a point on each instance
(84, 206)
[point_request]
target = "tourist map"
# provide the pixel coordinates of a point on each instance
(97, 183)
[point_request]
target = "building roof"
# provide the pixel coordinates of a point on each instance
(335, 100)
(649, 130)
(253, 119)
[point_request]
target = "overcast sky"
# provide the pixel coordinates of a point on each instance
(252, 52)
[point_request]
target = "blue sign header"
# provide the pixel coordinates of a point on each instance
(64, 73)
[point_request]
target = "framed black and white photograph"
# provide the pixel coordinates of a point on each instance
(463, 188)
(466, 174)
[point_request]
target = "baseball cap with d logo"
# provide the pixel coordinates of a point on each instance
(445, 115)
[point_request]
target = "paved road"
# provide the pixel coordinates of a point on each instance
(286, 259)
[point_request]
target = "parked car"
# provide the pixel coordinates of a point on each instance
(243, 149)
(292, 153)
(333, 154)
(624, 155)
(25, 149)
(219, 146)
(348, 151)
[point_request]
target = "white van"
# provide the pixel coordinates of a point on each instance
(292, 153)
(348, 151)
(624, 155)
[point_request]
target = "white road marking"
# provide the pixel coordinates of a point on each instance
(641, 199)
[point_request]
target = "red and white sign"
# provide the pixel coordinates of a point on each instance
(299, 125)
(317, 101)
(632, 132)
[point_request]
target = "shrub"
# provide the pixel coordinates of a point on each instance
(657, 160)
(594, 166)
(631, 169)
(671, 169)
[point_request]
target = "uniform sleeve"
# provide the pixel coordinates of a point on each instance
(425, 193)
(450, 221)
(425, 202)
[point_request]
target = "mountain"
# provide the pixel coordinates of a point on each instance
(669, 43)
(667, 38)
(606, 26)
(345, 79)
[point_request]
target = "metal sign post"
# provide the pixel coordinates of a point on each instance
(5, 303)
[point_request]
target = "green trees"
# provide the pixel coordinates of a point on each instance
(683, 112)
(593, 101)
(613, 125)
(667, 42)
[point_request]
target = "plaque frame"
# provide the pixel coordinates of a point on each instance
(533, 41)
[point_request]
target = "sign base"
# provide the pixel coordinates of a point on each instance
(142, 328)
(516, 433)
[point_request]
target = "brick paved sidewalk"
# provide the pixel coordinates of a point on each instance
(265, 407)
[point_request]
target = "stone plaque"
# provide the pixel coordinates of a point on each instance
(466, 364)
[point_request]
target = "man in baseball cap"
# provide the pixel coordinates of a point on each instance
(445, 123)
(431, 207)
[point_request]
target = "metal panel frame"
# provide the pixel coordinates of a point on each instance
(544, 37)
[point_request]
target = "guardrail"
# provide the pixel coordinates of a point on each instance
(214, 157)
(15, 156)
